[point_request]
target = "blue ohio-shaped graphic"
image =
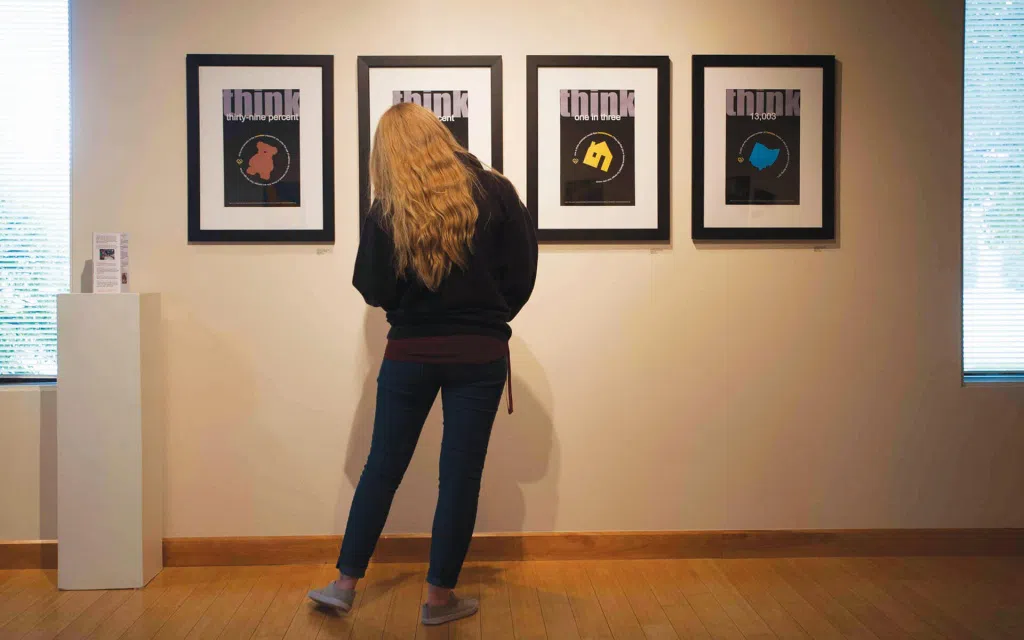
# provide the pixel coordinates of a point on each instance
(762, 157)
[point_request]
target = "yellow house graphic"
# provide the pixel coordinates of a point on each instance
(598, 156)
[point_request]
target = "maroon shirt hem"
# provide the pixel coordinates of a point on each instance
(451, 349)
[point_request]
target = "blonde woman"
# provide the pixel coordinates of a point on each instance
(450, 253)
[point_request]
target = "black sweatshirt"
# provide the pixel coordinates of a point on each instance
(478, 300)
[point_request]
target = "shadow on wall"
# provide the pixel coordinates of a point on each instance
(48, 463)
(86, 282)
(522, 461)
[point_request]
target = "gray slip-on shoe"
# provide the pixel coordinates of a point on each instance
(334, 597)
(456, 609)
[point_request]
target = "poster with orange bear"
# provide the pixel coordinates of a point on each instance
(261, 148)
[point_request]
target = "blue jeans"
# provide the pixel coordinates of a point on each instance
(470, 395)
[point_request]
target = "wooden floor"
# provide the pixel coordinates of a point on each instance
(955, 598)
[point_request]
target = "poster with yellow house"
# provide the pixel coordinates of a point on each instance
(597, 144)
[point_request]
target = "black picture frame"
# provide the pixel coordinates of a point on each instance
(193, 63)
(365, 63)
(827, 231)
(663, 65)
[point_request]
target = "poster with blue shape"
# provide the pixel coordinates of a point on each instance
(762, 160)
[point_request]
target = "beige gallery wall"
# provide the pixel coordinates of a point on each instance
(670, 388)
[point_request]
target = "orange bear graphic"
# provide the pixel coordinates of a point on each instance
(263, 162)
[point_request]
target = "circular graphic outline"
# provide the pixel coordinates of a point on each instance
(287, 154)
(576, 151)
(785, 168)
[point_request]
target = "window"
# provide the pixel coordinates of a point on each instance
(35, 178)
(993, 296)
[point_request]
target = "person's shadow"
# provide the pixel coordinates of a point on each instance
(522, 460)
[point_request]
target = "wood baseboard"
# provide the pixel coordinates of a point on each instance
(28, 554)
(184, 552)
(608, 546)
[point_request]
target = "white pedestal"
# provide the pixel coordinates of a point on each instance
(110, 441)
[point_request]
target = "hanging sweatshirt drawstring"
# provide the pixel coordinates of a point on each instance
(508, 359)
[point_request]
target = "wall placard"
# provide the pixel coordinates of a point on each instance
(764, 147)
(598, 147)
(464, 92)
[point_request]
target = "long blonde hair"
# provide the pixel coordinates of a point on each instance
(425, 192)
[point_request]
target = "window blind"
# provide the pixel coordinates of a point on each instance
(34, 183)
(993, 215)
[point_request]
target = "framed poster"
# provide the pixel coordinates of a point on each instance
(260, 148)
(764, 147)
(464, 92)
(598, 147)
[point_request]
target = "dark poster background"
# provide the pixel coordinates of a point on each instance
(613, 181)
(460, 129)
(451, 106)
(261, 156)
(762, 159)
